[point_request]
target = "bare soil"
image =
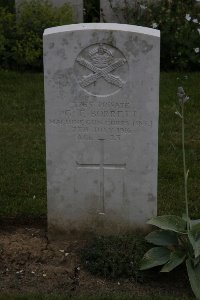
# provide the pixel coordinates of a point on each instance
(30, 264)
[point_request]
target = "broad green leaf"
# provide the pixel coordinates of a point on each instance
(155, 257)
(169, 222)
(196, 261)
(194, 237)
(184, 217)
(194, 222)
(162, 238)
(194, 277)
(176, 258)
(195, 231)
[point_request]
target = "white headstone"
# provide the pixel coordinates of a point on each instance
(102, 99)
(77, 6)
(114, 11)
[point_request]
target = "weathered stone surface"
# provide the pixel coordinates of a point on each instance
(101, 98)
(113, 11)
(77, 6)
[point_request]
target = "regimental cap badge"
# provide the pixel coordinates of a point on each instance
(101, 64)
(101, 56)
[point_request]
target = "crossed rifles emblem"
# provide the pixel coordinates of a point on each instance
(101, 66)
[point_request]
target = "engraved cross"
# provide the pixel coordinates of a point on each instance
(101, 166)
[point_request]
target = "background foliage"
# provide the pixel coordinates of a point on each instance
(21, 35)
(9, 4)
(178, 21)
(7, 36)
(91, 11)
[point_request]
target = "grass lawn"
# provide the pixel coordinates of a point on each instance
(22, 145)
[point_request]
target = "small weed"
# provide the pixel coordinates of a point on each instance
(115, 256)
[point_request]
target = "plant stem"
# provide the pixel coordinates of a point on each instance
(184, 167)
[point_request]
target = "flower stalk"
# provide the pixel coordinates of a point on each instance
(176, 239)
(182, 100)
(185, 168)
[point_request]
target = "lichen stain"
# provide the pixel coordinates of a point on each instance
(111, 39)
(110, 189)
(51, 45)
(62, 78)
(61, 53)
(151, 198)
(75, 191)
(65, 41)
(108, 194)
(137, 46)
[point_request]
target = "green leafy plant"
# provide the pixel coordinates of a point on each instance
(177, 239)
(91, 11)
(9, 4)
(179, 23)
(101, 258)
(33, 18)
(7, 36)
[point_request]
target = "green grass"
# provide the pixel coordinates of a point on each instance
(170, 175)
(22, 145)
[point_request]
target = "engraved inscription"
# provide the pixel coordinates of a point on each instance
(100, 68)
(99, 119)
(101, 166)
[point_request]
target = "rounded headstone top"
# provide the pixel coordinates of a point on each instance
(103, 26)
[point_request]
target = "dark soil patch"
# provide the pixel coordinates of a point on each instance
(30, 264)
